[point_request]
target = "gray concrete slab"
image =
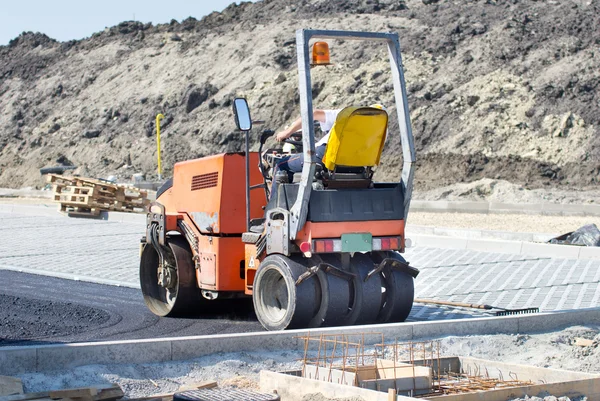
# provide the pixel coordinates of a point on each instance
(589, 253)
(50, 358)
(193, 347)
(591, 210)
(501, 246)
(15, 361)
(518, 247)
(503, 208)
(526, 208)
(547, 322)
(412, 230)
(295, 388)
(550, 250)
(437, 329)
(439, 241)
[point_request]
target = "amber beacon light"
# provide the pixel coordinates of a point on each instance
(320, 54)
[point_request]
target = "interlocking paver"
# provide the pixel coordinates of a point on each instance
(108, 252)
(90, 250)
(507, 281)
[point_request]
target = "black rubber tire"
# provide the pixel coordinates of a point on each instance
(369, 297)
(279, 303)
(336, 297)
(164, 187)
(185, 296)
(399, 291)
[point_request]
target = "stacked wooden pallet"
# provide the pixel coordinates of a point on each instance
(80, 196)
(110, 392)
(11, 389)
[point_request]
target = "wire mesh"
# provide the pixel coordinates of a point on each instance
(366, 360)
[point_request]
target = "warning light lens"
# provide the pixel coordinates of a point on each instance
(320, 54)
(319, 246)
(305, 247)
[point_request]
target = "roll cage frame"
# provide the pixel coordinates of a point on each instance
(299, 210)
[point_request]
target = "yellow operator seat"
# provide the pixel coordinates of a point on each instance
(357, 138)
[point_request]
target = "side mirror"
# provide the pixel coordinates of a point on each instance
(242, 114)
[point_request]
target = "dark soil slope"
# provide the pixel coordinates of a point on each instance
(497, 89)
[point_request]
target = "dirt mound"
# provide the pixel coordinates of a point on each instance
(440, 169)
(497, 89)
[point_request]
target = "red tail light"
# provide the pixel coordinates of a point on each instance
(386, 243)
(327, 245)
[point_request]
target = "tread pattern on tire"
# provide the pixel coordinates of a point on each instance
(325, 299)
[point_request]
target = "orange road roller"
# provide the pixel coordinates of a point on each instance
(321, 248)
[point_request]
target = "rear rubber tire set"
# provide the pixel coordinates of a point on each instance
(278, 302)
(326, 299)
(323, 299)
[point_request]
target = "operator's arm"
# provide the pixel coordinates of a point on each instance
(318, 115)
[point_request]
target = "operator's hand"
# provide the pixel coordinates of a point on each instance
(282, 136)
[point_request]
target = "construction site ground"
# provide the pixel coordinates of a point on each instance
(107, 252)
(554, 350)
(99, 259)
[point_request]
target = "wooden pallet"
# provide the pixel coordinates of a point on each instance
(83, 196)
(109, 392)
(79, 211)
(119, 207)
(88, 197)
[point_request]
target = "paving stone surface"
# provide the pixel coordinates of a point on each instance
(502, 280)
(83, 249)
(108, 252)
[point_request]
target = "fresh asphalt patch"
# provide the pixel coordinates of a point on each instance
(40, 309)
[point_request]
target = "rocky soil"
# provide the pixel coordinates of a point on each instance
(498, 89)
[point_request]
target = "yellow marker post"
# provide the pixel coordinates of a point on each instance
(158, 118)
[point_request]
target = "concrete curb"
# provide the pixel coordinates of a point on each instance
(505, 246)
(478, 234)
(498, 207)
(37, 210)
(45, 358)
(123, 217)
(71, 276)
